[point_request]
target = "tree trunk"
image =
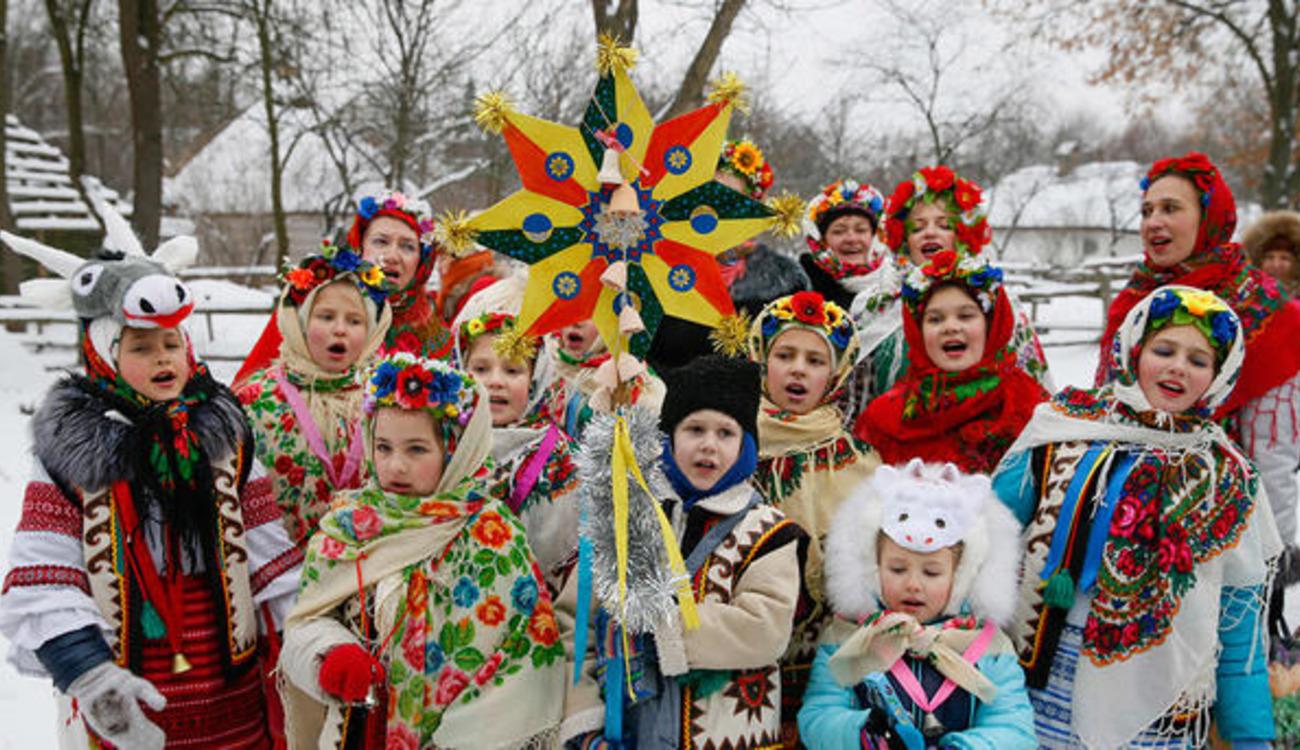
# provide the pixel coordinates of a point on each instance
(621, 23)
(141, 37)
(6, 214)
(691, 94)
(68, 22)
(1281, 179)
(262, 13)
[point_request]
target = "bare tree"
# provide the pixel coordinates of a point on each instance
(690, 95)
(141, 38)
(6, 215)
(616, 18)
(69, 22)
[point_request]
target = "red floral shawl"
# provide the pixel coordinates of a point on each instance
(1269, 316)
(970, 417)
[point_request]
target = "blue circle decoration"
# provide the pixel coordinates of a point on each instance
(677, 159)
(537, 227)
(704, 220)
(681, 278)
(623, 132)
(621, 300)
(566, 285)
(559, 166)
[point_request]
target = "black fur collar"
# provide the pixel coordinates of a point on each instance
(83, 439)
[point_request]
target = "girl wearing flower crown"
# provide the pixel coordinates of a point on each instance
(306, 408)
(934, 211)
(423, 620)
(807, 463)
(840, 229)
(964, 398)
(1147, 551)
(921, 570)
(534, 476)
(395, 233)
(1188, 218)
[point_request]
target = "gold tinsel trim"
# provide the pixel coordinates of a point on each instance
(454, 232)
(491, 111)
(514, 346)
(731, 335)
(613, 56)
(789, 209)
(729, 89)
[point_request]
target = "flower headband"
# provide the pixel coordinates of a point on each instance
(1182, 306)
(510, 345)
(745, 160)
(408, 382)
(962, 198)
(1197, 167)
(418, 212)
(838, 196)
(807, 310)
(983, 280)
(328, 265)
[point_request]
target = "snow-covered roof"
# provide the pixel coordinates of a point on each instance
(232, 173)
(1097, 195)
(41, 193)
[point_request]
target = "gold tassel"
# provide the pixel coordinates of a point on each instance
(514, 346)
(789, 210)
(731, 335)
(492, 110)
(180, 665)
(729, 89)
(612, 56)
(454, 232)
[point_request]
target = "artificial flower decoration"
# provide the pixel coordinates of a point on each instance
(960, 197)
(805, 309)
(622, 195)
(982, 279)
(1209, 314)
(509, 344)
(746, 161)
(416, 208)
(407, 382)
(326, 265)
(835, 195)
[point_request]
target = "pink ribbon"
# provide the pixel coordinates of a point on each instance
(532, 469)
(310, 431)
(917, 693)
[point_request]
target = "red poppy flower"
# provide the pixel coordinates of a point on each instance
(967, 195)
(938, 178)
(894, 233)
(942, 264)
(413, 388)
(902, 194)
(809, 307)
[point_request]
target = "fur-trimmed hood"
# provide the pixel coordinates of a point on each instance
(985, 581)
(1270, 225)
(82, 438)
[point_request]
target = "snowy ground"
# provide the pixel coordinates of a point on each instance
(27, 716)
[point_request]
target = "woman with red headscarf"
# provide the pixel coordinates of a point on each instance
(1188, 218)
(965, 397)
(394, 232)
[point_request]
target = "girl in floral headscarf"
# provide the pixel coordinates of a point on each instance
(306, 408)
(534, 475)
(1147, 553)
(964, 398)
(396, 233)
(934, 211)
(423, 620)
(1188, 217)
(807, 463)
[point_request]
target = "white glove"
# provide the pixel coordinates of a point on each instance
(109, 698)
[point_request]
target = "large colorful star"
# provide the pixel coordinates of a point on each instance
(561, 225)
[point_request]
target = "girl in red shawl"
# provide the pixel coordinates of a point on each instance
(396, 233)
(964, 398)
(1188, 219)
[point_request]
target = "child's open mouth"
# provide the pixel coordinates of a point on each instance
(913, 603)
(391, 274)
(164, 378)
(401, 488)
(954, 348)
(1170, 388)
(930, 248)
(338, 350)
(796, 391)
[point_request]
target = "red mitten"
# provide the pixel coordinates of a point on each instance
(347, 672)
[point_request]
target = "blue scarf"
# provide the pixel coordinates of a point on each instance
(744, 467)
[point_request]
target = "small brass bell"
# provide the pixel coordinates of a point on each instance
(180, 665)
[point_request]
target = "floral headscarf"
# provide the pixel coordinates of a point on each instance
(810, 312)
(970, 417)
(960, 197)
(1269, 317)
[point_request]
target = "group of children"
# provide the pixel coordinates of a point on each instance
(383, 549)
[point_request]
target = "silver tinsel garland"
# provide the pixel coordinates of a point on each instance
(651, 586)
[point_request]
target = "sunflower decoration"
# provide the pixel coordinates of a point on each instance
(620, 218)
(746, 161)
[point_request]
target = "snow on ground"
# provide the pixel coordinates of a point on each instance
(27, 715)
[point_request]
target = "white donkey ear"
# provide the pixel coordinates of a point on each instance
(59, 261)
(118, 234)
(50, 294)
(949, 473)
(177, 254)
(915, 468)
